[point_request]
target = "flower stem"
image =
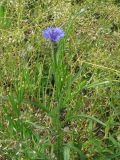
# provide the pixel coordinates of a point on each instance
(58, 124)
(54, 46)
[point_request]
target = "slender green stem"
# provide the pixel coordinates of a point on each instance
(54, 47)
(57, 120)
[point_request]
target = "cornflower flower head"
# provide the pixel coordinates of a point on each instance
(53, 34)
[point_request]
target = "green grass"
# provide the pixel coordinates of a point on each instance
(70, 111)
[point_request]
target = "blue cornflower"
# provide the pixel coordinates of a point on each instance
(53, 34)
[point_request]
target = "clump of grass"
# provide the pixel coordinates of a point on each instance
(70, 111)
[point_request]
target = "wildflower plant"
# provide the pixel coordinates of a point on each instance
(54, 35)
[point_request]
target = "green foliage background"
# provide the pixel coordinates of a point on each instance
(89, 64)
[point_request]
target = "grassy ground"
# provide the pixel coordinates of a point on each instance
(71, 112)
